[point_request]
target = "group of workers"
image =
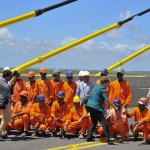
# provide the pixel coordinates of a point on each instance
(72, 107)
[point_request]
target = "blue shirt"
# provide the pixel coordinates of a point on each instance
(83, 91)
(97, 97)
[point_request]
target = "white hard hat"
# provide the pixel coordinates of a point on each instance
(6, 68)
(86, 73)
(120, 70)
(80, 73)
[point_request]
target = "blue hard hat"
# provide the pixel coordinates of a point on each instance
(104, 71)
(61, 94)
(69, 74)
(40, 97)
(117, 101)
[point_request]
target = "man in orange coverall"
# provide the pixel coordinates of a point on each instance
(39, 116)
(77, 119)
(117, 122)
(43, 86)
(120, 89)
(18, 87)
(59, 112)
(30, 86)
(141, 120)
(57, 83)
(69, 88)
(20, 114)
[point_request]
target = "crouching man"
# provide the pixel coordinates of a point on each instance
(40, 114)
(77, 119)
(21, 114)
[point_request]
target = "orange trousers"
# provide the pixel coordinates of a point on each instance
(34, 120)
(145, 128)
(120, 129)
(74, 126)
(22, 121)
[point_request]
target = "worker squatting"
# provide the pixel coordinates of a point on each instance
(73, 107)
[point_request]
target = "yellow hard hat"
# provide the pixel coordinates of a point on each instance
(76, 99)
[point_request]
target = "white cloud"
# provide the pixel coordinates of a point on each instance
(116, 34)
(125, 15)
(89, 55)
(6, 38)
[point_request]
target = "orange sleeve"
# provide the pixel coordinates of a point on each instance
(53, 109)
(147, 116)
(51, 90)
(70, 116)
(112, 92)
(15, 109)
(36, 89)
(33, 111)
(132, 113)
(28, 108)
(128, 94)
(48, 112)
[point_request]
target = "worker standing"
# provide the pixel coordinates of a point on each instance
(120, 89)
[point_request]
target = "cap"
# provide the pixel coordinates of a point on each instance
(143, 101)
(80, 73)
(40, 97)
(61, 94)
(69, 74)
(120, 71)
(117, 101)
(76, 99)
(6, 68)
(104, 71)
(31, 74)
(56, 71)
(24, 93)
(86, 73)
(43, 70)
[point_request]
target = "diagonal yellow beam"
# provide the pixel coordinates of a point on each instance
(77, 42)
(128, 58)
(33, 14)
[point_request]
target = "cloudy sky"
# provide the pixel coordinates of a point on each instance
(24, 41)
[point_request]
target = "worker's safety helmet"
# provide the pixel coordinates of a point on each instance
(76, 99)
(61, 94)
(40, 97)
(143, 101)
(69, 74)
(104, 71)
(117, 102)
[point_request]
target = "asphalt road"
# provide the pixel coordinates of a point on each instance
(15, 142)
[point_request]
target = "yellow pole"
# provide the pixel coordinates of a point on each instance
(128, 58)
(17, 19)
(33, 14)
(64, 48)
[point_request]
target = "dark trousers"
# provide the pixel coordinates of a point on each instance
(95, 117)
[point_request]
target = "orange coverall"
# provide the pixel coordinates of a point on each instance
(120, 122)
(73, 119)
(142, 116)
(56, 87)
(17, 89)
(35, 118)
(30, 89)
(22, 120)
(60, 113)
(70, 91)
(44, 88)
(120, 91)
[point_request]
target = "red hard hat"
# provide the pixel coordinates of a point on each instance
(31, 74)
(43, 70)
